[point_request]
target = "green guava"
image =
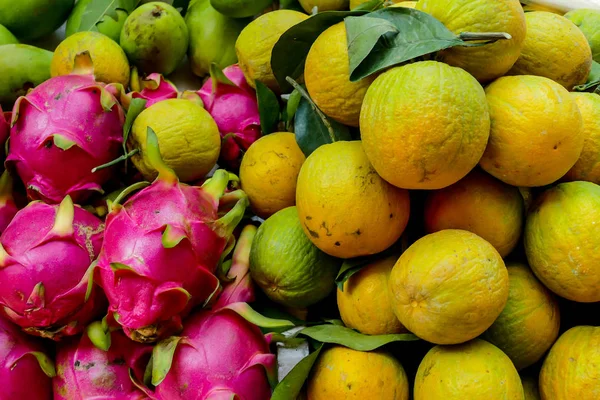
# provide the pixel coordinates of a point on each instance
(286, 265)
(240, 8)
(6, 37)
(110, 25)
(155, 38)
(212, 37)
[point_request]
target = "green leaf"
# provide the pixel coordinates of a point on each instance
(312, 127)
(183, 4)
(135, 108)
(593, 81)
(268, 108)
(291, 385)
(292, 104)
(290, 51)
(347, 337)
(62, 142)
(371, 5)
(420, 34)
(97, 10)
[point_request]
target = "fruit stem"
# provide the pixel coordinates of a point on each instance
(126, 192)
(216, 185)
(227, 223)
(116, 160)
(488, 36)
(165, 173)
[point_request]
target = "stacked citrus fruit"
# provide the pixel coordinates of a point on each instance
(413, 187)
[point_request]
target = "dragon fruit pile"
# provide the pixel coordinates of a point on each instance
(103, 284)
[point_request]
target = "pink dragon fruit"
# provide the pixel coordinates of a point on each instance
(25, 370)
(235, 110)
(162, 248)
(45, 260)
(219, 355)
(8, 207)
(60, 131)
(87, 372)
(154, 88)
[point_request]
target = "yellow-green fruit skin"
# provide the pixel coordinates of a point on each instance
(476, 370)
(571, 371)
(536, 133)
(562, 238)
(6, 37)
(424, 125)
(449, 287)
(23, 67)
(342, 373)
(530, 321)
(530, 387)
(155, 38)
(492, 60)
(324, 5)
(587, 168)
(554, 48)
(588, 21)
(212, 37)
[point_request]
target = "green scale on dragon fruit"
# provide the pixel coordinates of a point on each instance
(46, 254)
(87, 372)
(63, 129)
(219, 355)
(235, 110)
(25, 370)
(163, 246)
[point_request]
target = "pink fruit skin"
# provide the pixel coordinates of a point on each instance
(34, 253)
(221, 355)
(141, 277)
(235, 110)
(86, 372)
(155, 89)
(21, 376)
(8, 207)
(69, 106)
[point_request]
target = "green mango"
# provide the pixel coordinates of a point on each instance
(589, 22)
(23, 67)
(33, 19)
(212, 37)
(110, 26)
(240, 8)
(6, 37)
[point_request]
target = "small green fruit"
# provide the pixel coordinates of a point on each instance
(33, 19)
(155, 38)
(240, 8)
(212, 37)
(287, 266)
(589, 22)
(23, 67)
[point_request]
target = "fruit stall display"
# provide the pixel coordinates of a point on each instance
(300, 199)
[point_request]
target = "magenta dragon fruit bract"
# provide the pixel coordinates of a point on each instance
(60, 131)
(235, 110)
(45, 257)
(8, 207)
(219, 355)
(87, 372)
(25, 370)
(162, 248)
(154, 88)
